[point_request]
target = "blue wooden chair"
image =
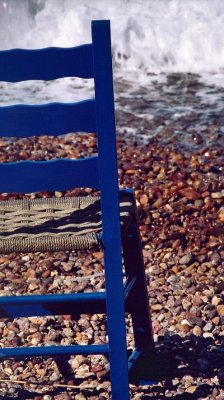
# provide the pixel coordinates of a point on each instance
(75, 223)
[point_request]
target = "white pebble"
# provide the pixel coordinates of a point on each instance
(26, 258)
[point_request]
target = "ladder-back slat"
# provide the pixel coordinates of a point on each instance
(47, 119)
(58, 174)
(46, 64)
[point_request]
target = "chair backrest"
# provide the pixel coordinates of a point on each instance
(93, 115)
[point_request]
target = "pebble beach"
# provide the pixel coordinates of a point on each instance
(180, 199)
(168, 77)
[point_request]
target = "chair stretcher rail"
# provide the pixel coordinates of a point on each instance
(52, 304)
(52, 351)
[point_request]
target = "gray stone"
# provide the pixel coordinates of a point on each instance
(186, 259)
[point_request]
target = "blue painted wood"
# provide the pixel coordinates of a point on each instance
(46, 64)
(47, 119)
(136, 358)
(52, 298)
(50, 351)
(58, 174)
(52, 304)
(94, 172)
(128, 287)
(134, 266)
(110, 208)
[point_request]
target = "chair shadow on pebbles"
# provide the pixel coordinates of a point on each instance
(189, 368)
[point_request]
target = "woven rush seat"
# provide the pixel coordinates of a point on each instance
(54, 224)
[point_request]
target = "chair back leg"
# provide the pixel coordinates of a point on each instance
(138, 303)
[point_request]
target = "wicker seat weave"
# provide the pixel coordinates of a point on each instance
(54, 224)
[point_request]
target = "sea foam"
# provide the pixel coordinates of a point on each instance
(154, 36)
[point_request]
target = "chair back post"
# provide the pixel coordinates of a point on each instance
(105, 126)
(107, 159)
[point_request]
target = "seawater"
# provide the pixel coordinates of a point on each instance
(168, 57)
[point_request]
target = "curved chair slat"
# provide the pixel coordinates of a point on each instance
(59, 174)
(46, 64)
(47, 119)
